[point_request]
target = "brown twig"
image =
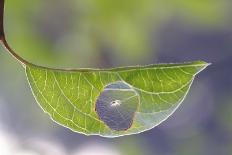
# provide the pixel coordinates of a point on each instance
(1, 19)
(3, 38)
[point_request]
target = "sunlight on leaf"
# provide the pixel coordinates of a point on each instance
(112, 102)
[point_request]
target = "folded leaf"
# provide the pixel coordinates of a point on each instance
(112, 102)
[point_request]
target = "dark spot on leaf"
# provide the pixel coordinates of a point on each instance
(116, 105)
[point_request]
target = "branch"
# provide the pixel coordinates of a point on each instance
(3, 39)
(2, 19)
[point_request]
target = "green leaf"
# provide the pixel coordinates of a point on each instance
(112, 102)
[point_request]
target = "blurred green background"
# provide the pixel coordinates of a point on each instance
(110, 33)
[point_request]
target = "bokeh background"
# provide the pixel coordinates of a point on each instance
(110, 33)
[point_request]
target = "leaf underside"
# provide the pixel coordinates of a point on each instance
(70, 96)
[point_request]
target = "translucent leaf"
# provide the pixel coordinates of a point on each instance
(112, 102)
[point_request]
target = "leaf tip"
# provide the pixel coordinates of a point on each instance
(201, 65)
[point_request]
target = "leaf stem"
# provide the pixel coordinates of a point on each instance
(12, 52)
(3, 38)
(1, 18)
(24, 62)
